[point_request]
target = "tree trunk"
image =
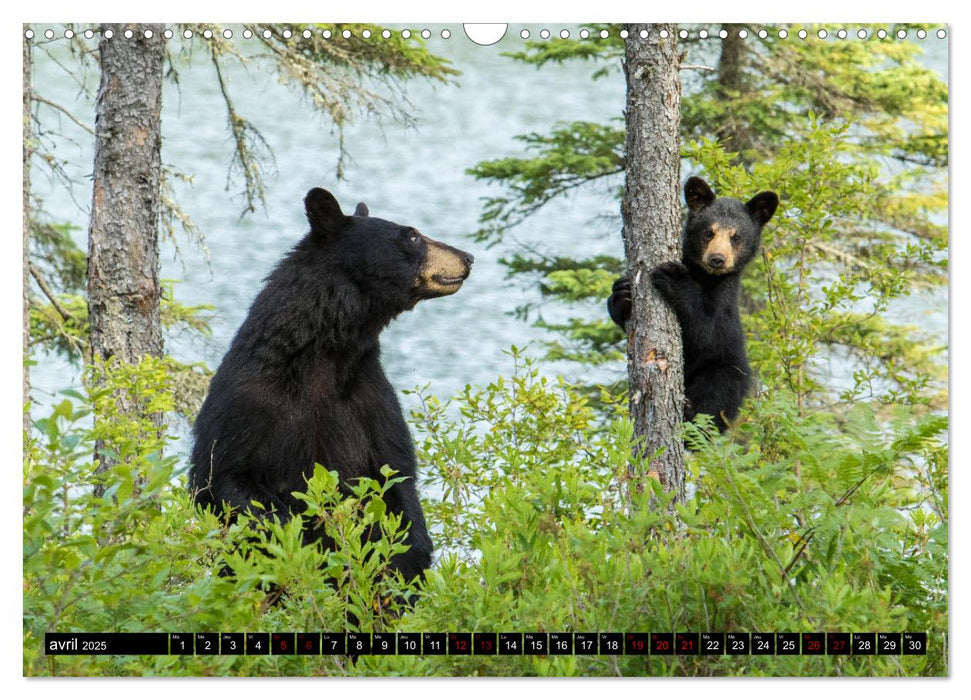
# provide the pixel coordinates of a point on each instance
(28, 149)
(652, 235)
(731, 82)
(123, 269)
(731, 60)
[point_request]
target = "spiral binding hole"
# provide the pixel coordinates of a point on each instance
(525, 34)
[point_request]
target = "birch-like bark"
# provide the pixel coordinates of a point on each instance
(652, 235)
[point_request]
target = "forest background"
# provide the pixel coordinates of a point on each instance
(583, 509)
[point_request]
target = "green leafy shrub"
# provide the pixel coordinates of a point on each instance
(799, 521)
(544, 533)
(823, 291)
(142, 557)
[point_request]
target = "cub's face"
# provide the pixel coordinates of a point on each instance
(721, 234)
(722, 237)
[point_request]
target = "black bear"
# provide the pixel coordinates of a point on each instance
(302, 380)
(721, 235)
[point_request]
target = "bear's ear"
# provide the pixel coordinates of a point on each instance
(361, 210)
(323, 211)
(697, 194)
(762, 206)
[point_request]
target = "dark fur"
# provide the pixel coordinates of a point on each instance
(302, 381)
(703, 293)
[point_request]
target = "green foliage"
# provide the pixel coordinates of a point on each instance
(541, 531)
(574, 281)
(143, 558)
(571, 156)
(852, 133)
(341, 75)
(898, 105)
(597, 49)
(61, 326)
(395, 56)
(823, 288)
(751, 91)
(824, 508)
(796, 522)
(53, 248)
(827, 277)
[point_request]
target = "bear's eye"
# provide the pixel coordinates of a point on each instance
(736, 238)
(413, 236)
(709, 234)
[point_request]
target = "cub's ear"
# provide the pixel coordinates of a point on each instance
(361, 210)
(762, 206)
(697, 194)
(323, 211)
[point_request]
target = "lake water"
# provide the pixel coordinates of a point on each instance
(409, 175)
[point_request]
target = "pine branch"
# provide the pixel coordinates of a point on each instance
(60, 108)
(64, 313)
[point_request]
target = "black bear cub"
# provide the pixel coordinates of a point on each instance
(302, 381)
(721, 236)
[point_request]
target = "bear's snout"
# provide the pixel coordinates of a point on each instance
(718, 255)
(444, 270)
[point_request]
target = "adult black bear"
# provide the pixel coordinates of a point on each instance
(302, 381)
(721, 236)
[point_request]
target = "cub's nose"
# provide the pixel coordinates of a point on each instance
(468, 258)
(716, 261)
